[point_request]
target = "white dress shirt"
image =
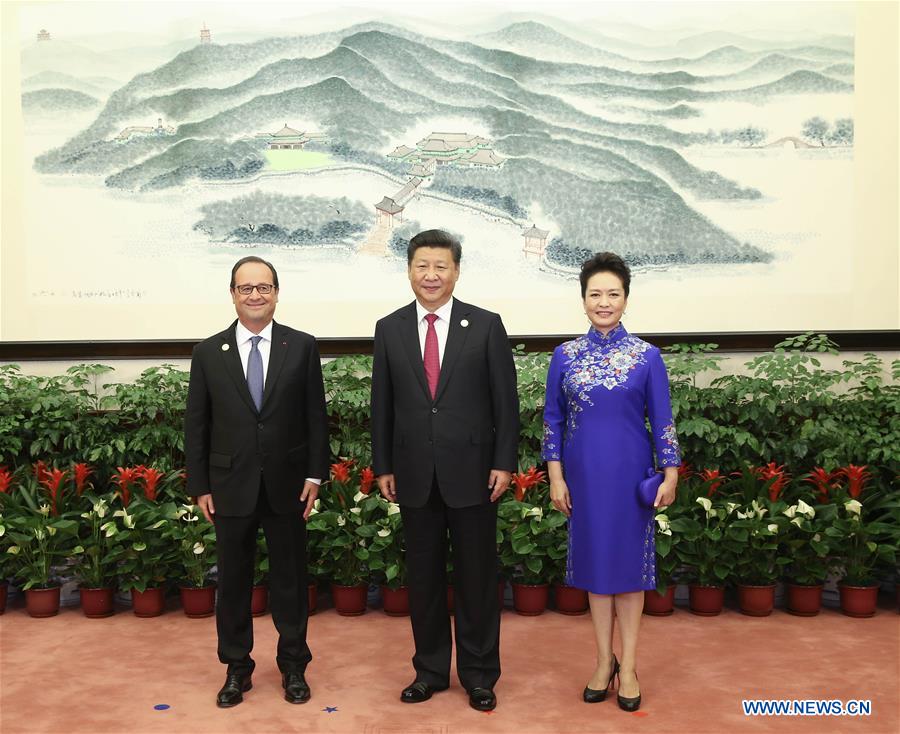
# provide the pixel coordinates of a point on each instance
(242, 336)
(441, 326)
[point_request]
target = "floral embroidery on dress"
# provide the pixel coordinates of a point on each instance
(549, 448)
(601, 361)
(648, 567)
(671, 451)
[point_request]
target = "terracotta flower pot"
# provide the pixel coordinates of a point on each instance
(858, 601)
(259, 600)
(706, 601)
(804, 601)
(570, 600)
(198, 602)
(659, 605)
(349, 601)
(4, 589)
(148, 603)
(530, 599)
(313, 600)
(96, 603)
(42, 602)
(395, 602)
(756, 601)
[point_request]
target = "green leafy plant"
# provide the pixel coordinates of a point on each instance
(149, 557)
(528, 541)
(37, 540)
(345, 523)
(864, 536)
(195, 539)
(806, 544)
(348, 389)
(99, 546)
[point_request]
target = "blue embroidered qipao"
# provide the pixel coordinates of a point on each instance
(599, 391)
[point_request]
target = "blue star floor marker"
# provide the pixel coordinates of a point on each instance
(161, 706)
(330, 709)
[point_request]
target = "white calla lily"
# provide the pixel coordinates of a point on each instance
(393, 508)
(383, 533)
(705, 503)
(198, 548)
(854, 507)
(356, 510)
(359, 497)
(772, 527)
(44, 510)
(13, 550)
(791, 511)
(798, 521)
(805, 509)
(341, 521)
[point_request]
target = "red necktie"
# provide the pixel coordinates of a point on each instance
(432, 359)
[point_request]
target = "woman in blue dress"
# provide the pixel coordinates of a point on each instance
(601, 388)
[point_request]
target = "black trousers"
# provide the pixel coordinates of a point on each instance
(473, 537)
(288, 595)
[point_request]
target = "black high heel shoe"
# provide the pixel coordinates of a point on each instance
(594, 696)
(628, 704)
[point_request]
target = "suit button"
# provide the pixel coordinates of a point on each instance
(259, 426)
(434, 410)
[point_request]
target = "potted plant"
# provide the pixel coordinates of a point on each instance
(807, 547)
(660, 602)
(37, 539)
(148, 557)
(342, 546)
(707, 554)
(96, 556)
(195, 540)
(862, 537)
(756, 528)
(387, 557)
(529, 546)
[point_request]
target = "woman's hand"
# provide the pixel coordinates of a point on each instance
(559, 490)
(665, 495)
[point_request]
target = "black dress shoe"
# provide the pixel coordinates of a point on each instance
(592, 695)
(629, 704)
(482, 699)
(419, 691)
(231, 694)
(296, 689)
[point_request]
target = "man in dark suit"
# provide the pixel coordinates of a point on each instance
(256, 445)
(445, 430)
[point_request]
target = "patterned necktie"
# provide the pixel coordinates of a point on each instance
(255, 372)
(432, 359)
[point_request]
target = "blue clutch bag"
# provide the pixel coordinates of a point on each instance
(647, 488)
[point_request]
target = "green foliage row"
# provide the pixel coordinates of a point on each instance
(785, 407)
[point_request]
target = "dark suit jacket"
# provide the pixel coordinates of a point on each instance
(472, 425)
(230, 446)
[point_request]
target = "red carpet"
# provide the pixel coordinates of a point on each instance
(73, 675)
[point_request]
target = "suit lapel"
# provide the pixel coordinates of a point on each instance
(409, 335)
(456, 339)
(277, 353)
(232, 360)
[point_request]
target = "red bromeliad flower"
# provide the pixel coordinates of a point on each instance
(125, 477)
(53, 482)
(685, 471)
(366, 478)
(151, 479)
(715, 478)
(40, 471)
(524, 481)
(857, 478)
(5, 479)
(340, 472)
(823, 481)
(82, 472)
(776, 473)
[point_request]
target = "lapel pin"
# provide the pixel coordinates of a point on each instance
(464, 323)
(224, 347)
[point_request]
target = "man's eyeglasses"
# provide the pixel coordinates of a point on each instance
(263, 289)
